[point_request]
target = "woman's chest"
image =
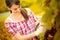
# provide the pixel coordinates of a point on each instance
(26, 27)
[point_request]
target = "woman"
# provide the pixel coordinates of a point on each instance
(21, 24)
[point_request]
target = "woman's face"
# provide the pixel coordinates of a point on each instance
(15, 8)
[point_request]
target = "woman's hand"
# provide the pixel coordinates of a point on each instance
(14, 38)
(17, 36)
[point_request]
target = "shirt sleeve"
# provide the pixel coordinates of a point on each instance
(33, 17)
(11, 28)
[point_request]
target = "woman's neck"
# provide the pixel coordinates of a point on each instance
(17, 16)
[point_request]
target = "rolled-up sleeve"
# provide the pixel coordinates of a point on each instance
(11, 28)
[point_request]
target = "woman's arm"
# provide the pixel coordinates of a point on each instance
(28, 36)
(24, 37)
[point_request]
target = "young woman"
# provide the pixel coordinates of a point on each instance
(21, 24)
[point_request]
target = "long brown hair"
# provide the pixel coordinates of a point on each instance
(9, 3)
(24, 13)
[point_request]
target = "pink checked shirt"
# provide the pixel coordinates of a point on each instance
(23, 27)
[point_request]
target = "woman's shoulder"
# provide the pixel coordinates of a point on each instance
(7, 20)
(28, 10)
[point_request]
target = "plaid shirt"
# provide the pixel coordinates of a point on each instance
(23, 27)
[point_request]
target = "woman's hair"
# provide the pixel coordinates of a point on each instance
(9, 3)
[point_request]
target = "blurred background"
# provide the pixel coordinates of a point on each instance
(46, 10)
